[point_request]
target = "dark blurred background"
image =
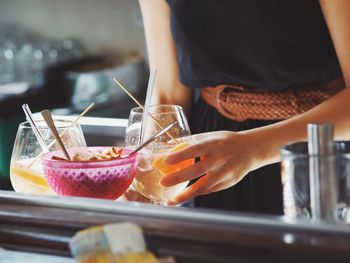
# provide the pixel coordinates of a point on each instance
(63, 55)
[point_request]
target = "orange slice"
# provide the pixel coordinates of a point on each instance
(160, 165)
(29, 175)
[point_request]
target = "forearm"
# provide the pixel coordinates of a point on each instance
(269, 139)
(181, 95)
(162, 55)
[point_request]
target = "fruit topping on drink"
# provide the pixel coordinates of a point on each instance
(97, 155)
(165, 168)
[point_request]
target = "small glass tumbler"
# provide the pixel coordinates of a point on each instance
(296, 182)
(26, 172)
(150, 167)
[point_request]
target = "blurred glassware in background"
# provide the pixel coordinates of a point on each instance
(24, 56)
(96, 81)
(296, 179)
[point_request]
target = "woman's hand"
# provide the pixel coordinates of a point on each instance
(226, 157)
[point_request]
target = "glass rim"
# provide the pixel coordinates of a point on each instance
(65, 124)
(289, 153)
(139, 110)
(48, 161)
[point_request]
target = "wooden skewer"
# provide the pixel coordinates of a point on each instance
(63, 133)
(129, 94)
(140, 105)
(49, 121)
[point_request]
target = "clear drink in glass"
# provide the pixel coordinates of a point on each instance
(25, 169)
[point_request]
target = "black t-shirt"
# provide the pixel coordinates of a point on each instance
(268, 44)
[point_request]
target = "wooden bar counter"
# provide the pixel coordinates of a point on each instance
(44, 224)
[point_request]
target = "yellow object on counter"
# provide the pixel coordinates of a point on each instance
(113, 243)
(106, 257)
(144, 257)
(98, 257)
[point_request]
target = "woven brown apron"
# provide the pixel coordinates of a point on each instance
(239, 104)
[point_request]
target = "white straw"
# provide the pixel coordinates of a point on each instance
(140, 105)
(149, 93)
(29, 117)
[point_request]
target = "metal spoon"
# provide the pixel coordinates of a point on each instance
(50, 123)
(149, 140)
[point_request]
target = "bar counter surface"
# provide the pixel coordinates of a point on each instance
(45, 225)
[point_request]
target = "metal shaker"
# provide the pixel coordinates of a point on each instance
(322, 172)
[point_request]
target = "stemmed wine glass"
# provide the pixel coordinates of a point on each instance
(26, 172)
(151, 167)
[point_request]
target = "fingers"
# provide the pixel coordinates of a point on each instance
(229, 179)
(215, 181)
(194, 171)
(189, 152)
(216, 188)
(198, 188)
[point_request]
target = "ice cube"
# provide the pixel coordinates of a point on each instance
(145, 164)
